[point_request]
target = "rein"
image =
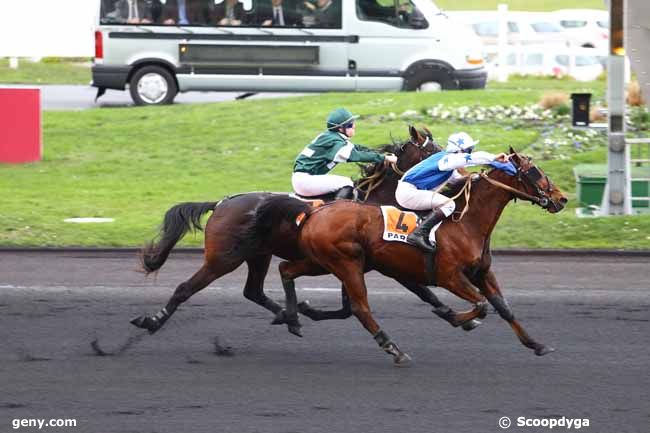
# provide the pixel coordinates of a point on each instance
(510, 189)
(373, 181)
(467, 188)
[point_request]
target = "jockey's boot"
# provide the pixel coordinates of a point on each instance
(420, 236)
(346, 193)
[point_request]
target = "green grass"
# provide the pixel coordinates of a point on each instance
(48, 71)
(520, 5)
(132, 164)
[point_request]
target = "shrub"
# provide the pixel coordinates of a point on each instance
(554, 100)
(634, 96)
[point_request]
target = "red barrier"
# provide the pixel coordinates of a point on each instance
(20, 125)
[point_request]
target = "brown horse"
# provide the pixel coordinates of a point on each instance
(226, 246)
(345, 239)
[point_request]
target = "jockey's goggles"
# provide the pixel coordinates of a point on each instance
(349, 125)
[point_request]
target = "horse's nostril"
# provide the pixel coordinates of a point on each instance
(564, 201)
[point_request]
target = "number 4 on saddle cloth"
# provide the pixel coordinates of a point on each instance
(399, 223)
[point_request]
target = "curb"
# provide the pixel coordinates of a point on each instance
(497, 252)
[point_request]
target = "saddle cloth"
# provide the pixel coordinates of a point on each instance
(399, 223)
(312, 202)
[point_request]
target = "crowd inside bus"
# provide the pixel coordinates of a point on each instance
(281, 13)
(259, 13)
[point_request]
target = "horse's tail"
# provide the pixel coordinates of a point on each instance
(179, 219)
(274, 211)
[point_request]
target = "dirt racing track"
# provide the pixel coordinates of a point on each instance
(219, 366)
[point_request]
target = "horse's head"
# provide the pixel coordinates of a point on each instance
(532, 181)
(379, 180)
(417, 148)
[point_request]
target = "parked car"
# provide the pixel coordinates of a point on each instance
(583, 64)
(522, 27)
(588, 28)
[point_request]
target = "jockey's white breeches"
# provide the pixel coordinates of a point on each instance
(409, 197)
(309, 185)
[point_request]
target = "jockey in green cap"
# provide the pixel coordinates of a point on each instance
(310, 171)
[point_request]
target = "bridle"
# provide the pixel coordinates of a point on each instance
(529, 178)
(421, 148)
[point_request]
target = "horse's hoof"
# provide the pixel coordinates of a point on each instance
(542, 350)
(304, 307)
(471, 324)
(484, 310)
(402, 360)
(295, 330)
(280, 318)
(147, 323)
(138, 321)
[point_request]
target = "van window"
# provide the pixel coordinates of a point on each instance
(534, 59)
(488, 28)
(249, 13)
(562, 59)
(573, 24)
(545, 27)
(398, 13)
(513, 27)
(586, 60)
(603, 24)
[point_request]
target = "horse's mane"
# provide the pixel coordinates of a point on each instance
(368, 170)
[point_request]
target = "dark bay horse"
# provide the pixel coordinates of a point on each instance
(345, 239)
(226, 246)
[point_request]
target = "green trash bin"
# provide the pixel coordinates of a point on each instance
(592, 178)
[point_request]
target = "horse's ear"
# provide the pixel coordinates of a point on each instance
(415, 135)
(512, 151)
(427, 131)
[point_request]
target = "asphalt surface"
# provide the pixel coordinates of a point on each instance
(71, 97)
(593, 310)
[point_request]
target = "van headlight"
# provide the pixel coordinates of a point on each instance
(474, 59)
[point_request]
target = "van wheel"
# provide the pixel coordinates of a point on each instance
(432, 78)
(152, 85)
(429, 86)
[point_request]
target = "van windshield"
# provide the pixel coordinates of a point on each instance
(231, 13)
(398, 13)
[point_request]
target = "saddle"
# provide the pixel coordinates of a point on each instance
(314, 198)
(316, 201)
(347, 192)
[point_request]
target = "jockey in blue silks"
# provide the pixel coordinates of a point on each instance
(418, 188)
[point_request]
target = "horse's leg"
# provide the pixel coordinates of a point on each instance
(352, 277)
(183, 292)
(317, 314)
(254, 288)
(461, 286)
(491, 290)
(289, 271)
(441, 310)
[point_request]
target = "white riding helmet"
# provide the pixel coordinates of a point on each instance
(460, 142)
